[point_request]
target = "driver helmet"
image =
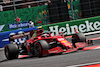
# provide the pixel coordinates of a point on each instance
(39, 31)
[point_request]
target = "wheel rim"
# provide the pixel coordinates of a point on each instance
(38, 49)
(9, 54)
(6, 52)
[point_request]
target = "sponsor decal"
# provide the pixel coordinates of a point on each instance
(60, 39)
(68, 30)
(1, 27)
(68, 44)
(42, 18)
(18, 19)
(20, 25)
(64, 41)
(18, 41)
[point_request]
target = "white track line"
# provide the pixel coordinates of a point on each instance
(90, 33)
(97, 48)
(84, 64)
(1, 48)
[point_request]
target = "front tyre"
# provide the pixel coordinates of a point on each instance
(79, 37)
(11, 51)
(39, 46)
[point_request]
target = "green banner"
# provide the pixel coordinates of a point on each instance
(68, 28)
(37, 14)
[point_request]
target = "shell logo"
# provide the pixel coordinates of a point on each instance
(64, 41)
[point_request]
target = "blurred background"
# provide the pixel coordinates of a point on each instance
(43, 12)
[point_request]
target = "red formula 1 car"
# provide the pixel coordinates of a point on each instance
(42, 44)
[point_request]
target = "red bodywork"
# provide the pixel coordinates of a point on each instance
(58, 43)
(67, 46)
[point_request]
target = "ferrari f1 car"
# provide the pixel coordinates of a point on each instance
(42, 44)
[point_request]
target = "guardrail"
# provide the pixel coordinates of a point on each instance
(24, 3)
(68, 28)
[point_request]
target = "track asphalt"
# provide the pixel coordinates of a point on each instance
(64, 60)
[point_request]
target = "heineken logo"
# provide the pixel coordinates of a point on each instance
(68, 29)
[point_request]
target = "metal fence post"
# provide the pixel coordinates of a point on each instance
(72, 9)
(15, 13)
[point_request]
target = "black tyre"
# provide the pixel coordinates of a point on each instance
(79, 37)
(39, 46)
(11, 51)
